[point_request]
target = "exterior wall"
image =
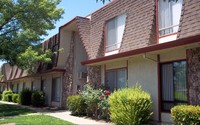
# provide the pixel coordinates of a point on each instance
(79, 56)
(67, 87)
(48, 88)
(173, 54)
(144, 72)
(193, 70)
(116, 65)
(65, 37)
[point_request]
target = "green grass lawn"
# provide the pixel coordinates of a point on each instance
(35, 120)
(12, 110)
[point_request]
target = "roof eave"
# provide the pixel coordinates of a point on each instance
(175, 43)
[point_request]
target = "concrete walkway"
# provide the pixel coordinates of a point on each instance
(64, 115)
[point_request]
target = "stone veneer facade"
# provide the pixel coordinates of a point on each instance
(193, 75)
(67, 86)
(94, 75)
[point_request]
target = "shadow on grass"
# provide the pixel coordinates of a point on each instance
(12, 110)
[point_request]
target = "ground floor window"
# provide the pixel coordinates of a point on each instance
(173, 84)
(56, 87)
(116, 79)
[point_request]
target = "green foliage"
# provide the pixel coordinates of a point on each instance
(38, 98)
(35, 120)
(12, 110)
(103, 105)
(15, 98)
(7, 95)
(76, 104)
(30, 59)
(0, 96)
(92, 98)
(25, 97)
(186, 115)
(23, 22)
(130, 106)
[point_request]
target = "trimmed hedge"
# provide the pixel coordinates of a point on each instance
(7, 95)
(186, 115)
(15, 98)
(25, 97)
(76, 104)
(131, 106)
(38, 98)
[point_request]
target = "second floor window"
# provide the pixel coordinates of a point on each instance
(169, 16)
(114, 32)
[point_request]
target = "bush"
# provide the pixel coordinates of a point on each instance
(92, 98)
(7, 95)
(76, 104)
(131, 106)
(15, 98)
(38, 98)
(186, 115)
(0, 96)
(25, 97)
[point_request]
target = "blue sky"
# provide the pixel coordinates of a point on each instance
(72, 9)
(75, 8)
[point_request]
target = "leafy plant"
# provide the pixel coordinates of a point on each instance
(91, 97)
(7, 95)
(186, 115)
(103, 105)
(15, 98)
(76, 104)
(38, 98)
(25, 97)
(131, 106)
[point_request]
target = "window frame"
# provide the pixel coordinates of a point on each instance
(175, 102)
(52, 98)
(115, 70)
(116, 32)
(167, 27)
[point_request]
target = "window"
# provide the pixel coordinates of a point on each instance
(116, 79)
(174, 85)
(114, 32)
(42, 85)
(24, 85)
(56, 85)
(169, 16)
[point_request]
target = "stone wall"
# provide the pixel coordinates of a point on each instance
(94, 75)
(193, 74)
(67, 85)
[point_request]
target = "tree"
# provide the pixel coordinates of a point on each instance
(30, 59)
(23, 22)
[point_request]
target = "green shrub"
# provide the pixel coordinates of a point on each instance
(76, 104)
(186, 115)
(25, 97)
(131, 106)
(38, 98)
(92, 98)
(15, 98)
(7, 95)
(0, 96)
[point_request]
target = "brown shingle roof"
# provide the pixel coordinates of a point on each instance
(140, 25)
(190, 19)
(83, 25)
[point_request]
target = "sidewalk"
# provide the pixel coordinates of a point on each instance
(64, 115)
